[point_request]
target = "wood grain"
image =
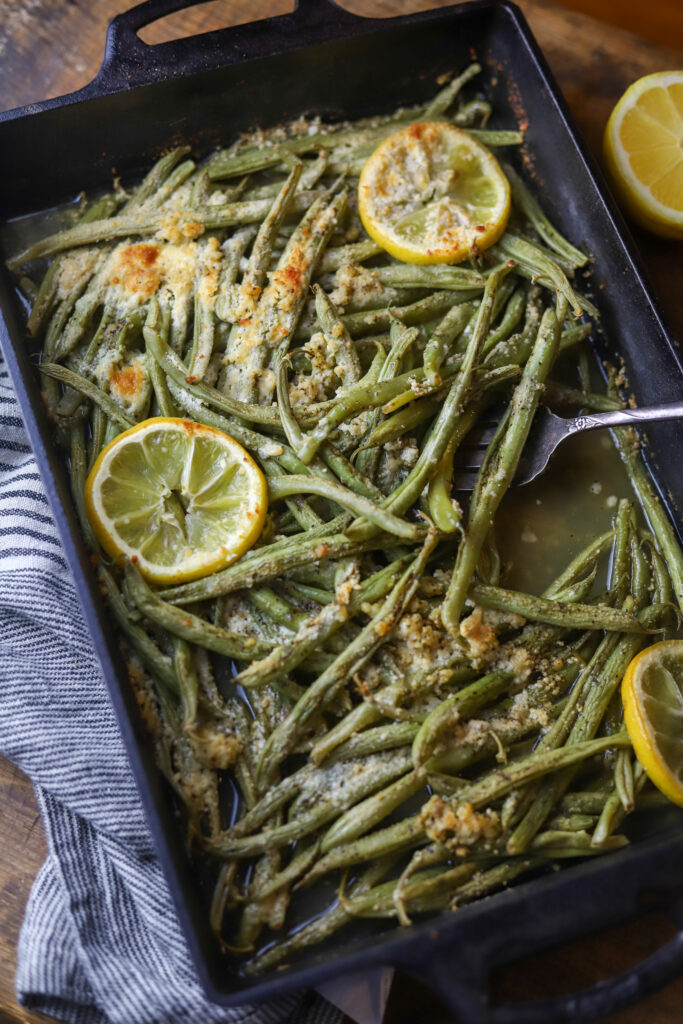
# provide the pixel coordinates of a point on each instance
(50, 47)
(22, 851)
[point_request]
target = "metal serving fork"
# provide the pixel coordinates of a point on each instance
(547, 432)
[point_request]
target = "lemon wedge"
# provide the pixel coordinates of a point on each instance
(652, 695)
(430, 193)
(643, 147)
(179, 499)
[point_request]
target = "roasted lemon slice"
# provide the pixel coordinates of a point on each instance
(643, 149)
(430, 193)
(180, 499)
(652, 695)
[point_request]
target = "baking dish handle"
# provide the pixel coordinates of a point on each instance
(463, 986)
(130, 63)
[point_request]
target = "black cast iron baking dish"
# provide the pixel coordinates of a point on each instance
(322, 59)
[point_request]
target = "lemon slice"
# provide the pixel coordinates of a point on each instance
(643, 147)
(430, 193)
(652, 695)
(180, 499)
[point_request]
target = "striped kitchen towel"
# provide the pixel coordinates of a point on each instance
(100, 942)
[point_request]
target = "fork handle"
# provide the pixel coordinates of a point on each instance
(621, 417)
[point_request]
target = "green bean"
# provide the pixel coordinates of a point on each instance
(144, 222)
(49, 287)
(378, 320)
(493, 878)
(392, 839)
(349, 661)
(266, 564)
(402, 339)
(221, 898)
(585, 399)
(44, 300)
(628, 446)
(327, 807)
(403, 422)
(530, 260)
(286, 657)
(314, 631)
(153, 181)
(467, 113)
(579, 565)
(349, 474)
(176, 178)
(409, 275)
(188, 626)
(531, 209)
(573, 844)
(343, 255)
(523, 404)
(159, 664)
(498, 783)
(663, 591)
(450, 418)
(624, 779)
(497, 138)
(85, 387)
(279, 610)
(203, 333)
(453, 671)
(502, 730)
(305, 516)
(177, 372)
(596, 700)
(337, 336)
(614, 809)
(233, 249)
(80, 316)
(453, 709)
(620, 563)
(588, 802)
(269, 803)
(443, 99)
(186, 675)
(383, 737)
(446, 513)
(321, 927)
(160, 387)
(514, 311)
(556, 613)
(266, 335)
(442, 338)
(297, 867)
(365, 815)
(224, 165)
(255, 273)
(640, 569)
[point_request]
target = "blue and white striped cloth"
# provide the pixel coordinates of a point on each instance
(100, 942)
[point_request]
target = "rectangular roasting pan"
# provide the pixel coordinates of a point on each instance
(321, 59)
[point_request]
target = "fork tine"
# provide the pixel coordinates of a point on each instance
(481, 434)
(469, 459)
(463, 481)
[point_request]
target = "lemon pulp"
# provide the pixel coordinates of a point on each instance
(180, 499)
(652, 695)
(430, 193)
(643, 147)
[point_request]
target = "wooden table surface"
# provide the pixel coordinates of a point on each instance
(49, 47)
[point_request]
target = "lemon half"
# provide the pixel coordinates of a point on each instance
(431, 193)
(178, 498)
(652, 695)
(643, 147)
